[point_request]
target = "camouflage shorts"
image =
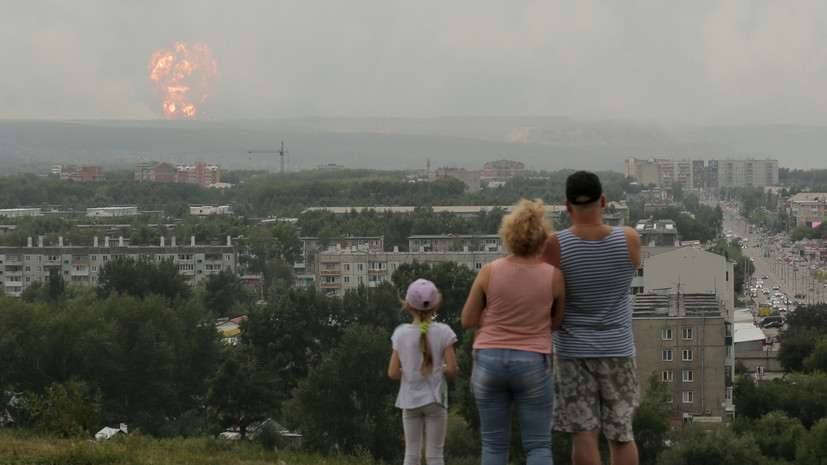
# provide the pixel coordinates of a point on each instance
(596, 393)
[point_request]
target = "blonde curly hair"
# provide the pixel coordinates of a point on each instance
(525, 230)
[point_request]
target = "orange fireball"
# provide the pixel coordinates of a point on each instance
(182, 78)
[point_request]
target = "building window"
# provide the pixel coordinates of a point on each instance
(359, 279)
(666, 334)
(360, 267)
(666, 355)
(687, 334)
(688, 397)
(688, 376)
(687, 355)
(666, 376)
(346, 279)
(347, 266)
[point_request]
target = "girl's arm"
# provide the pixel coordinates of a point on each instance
(450, 359)
(472, 311)
(395, 366)
(558, 291)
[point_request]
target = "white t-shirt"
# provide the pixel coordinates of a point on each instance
(416, 390)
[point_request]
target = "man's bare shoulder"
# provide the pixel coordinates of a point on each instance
(631, 233)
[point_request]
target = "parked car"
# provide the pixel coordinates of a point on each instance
(770, 319)
(773, 324)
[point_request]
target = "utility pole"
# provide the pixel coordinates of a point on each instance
(282, 152)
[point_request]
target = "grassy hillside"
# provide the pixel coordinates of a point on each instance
(25, 448)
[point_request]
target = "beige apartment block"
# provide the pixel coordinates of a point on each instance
(338, 270)
(686, 340)
(22, 266)
(689, 270)
(455, 243)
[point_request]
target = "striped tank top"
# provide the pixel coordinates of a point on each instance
(598, 314)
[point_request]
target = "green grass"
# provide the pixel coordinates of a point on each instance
(26, 448)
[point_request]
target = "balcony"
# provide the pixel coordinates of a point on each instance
(330, 272)
(377, 272)
(330, 285)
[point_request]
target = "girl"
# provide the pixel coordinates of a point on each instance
(422, 352)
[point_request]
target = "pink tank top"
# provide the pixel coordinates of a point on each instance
(518, 308)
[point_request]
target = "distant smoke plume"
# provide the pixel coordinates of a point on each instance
(182, 79)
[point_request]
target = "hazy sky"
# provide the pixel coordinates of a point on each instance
(704, 62)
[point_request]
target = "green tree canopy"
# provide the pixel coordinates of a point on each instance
(712, 444)
(347, 402)
(141, 278)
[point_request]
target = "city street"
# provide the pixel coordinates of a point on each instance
(791, 276)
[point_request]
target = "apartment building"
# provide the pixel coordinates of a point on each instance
(692, 174)
(808, 208)
(79, 173)
(305, 268)
(22, 266)
(199, 173)
(645, 172)
(687, 340)
(657, 233)
(743, 173)
(680, 171)
(502, 170)
(691, 270)
(455, 243)
(155, 171)
(338, 270)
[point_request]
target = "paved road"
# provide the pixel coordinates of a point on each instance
(779, 273)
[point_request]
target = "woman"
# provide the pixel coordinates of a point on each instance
(517, 301)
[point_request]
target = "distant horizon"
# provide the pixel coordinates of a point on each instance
(541, 143)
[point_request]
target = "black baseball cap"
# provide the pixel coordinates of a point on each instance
(583, 188)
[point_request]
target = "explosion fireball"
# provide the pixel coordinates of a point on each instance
(182, 79)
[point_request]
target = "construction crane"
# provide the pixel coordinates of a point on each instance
(281, 153)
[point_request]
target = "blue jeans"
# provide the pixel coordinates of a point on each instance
(503, 377)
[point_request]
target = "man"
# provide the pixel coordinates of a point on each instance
(595, 381)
